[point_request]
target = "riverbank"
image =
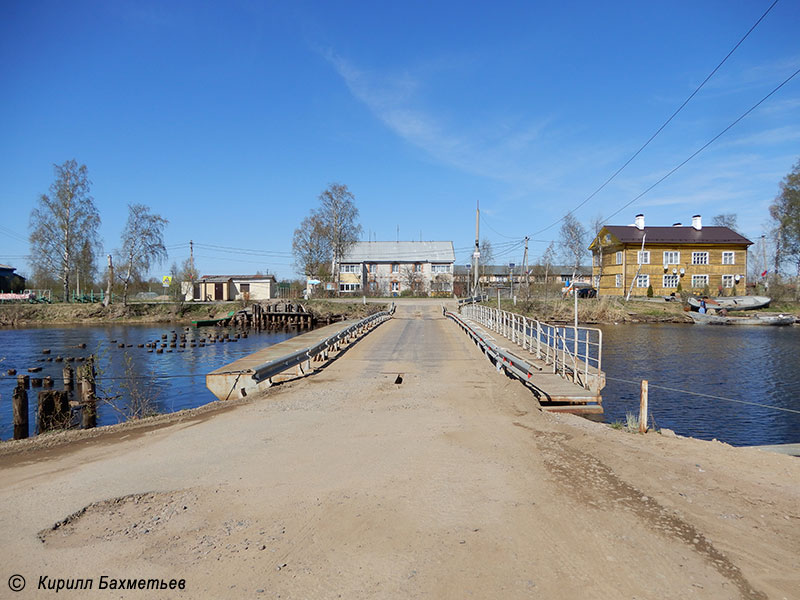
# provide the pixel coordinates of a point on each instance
(448, 485)
(28, 315)
(607, 311)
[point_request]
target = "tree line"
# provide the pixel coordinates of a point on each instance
(64, 239)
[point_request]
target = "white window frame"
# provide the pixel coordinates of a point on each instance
(619, 257)
(643, 257)
(729, 257)
(345, 268)
(669, 279)
(643, 280)
(395, 267)
(395, 286)
(417, 267)
(699, 281)
(699, 258)
(440, 269)
(672, 257)
(618, 280)
(349, 287)
(726, 280)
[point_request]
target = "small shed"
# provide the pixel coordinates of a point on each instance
(225, 288)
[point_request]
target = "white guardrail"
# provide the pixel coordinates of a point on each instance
(576, 353)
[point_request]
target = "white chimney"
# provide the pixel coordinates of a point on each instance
(639, 222)
(697, 222)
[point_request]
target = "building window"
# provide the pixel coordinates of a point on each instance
(728, 258)
(348, 287)
(373, 286)
(395, 268)
(642, 281)
(643, 257)
(395, 286)
(244, 288)
(371, 268)
(619, 257)
(348, 268)
(727, 281)
(440, 268)
(699, 281)
(618, 280)
(670, 281)
(699, 258)
(672, 257)
(417, 268)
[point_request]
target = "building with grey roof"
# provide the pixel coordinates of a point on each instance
(391, 268)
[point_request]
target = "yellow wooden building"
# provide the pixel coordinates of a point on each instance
(633, 257)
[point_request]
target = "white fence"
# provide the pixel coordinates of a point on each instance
(576, 353)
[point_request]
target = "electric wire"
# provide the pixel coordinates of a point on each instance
(706, 145)
(667, 122)
(711, 396)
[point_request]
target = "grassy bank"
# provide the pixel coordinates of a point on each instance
(26, 315)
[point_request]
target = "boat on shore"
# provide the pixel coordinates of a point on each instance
(764, 319)
(731, 302)
(216, 321)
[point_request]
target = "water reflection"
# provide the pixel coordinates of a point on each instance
(174, 380)
(753, 364)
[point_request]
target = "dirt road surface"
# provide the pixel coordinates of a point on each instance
(451, 484)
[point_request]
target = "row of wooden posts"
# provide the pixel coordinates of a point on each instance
(271, 316)
(54, 408)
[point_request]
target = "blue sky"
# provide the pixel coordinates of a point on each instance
(229, 119)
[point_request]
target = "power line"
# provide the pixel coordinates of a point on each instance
(713, 397)
(667, 122)
(707, 144)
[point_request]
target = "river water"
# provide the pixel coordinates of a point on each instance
(174, 380)
(760, 365)
(751, 364)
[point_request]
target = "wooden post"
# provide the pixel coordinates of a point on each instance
(88, 397)
(643, 408)
(20, 401)
(24, 381)
(53, 410)
(67, 373)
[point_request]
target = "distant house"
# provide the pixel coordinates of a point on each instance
(10, 282)
(390, 268)
(635, 257)
(494, 276)
(225, 288)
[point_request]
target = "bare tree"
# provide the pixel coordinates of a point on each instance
(63, 223)
(596, 226)
(573, 242)
(725, 220)
(412, 279)
(548, 259)
(142, 244)
(486, 258)
(311, 246)
(339, 217)
(785, 213)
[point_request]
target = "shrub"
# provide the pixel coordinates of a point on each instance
(650, 291)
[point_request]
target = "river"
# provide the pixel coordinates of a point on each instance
(758, 365)
(174, 380)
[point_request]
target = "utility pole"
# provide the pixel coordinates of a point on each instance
(476, 255)
(525, 266)
(764, 250)
(191, 267)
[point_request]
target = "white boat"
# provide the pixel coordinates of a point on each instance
(761, 319)
(731, 302)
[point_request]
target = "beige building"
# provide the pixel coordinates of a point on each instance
(225, 288)
(634, 257)
(391, 268)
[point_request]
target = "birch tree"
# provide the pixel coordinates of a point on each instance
(785, 213)
(142, 245)
(311, 247)
(572, 242)
(64, 224)
(339, 217)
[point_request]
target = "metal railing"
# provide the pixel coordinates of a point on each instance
(574, 353)
(333, 342)
(473, 299)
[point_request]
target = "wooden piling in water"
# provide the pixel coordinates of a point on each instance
(20, 408)
(24, 381)
(68, 375)
(53, 411)
(88, 387)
